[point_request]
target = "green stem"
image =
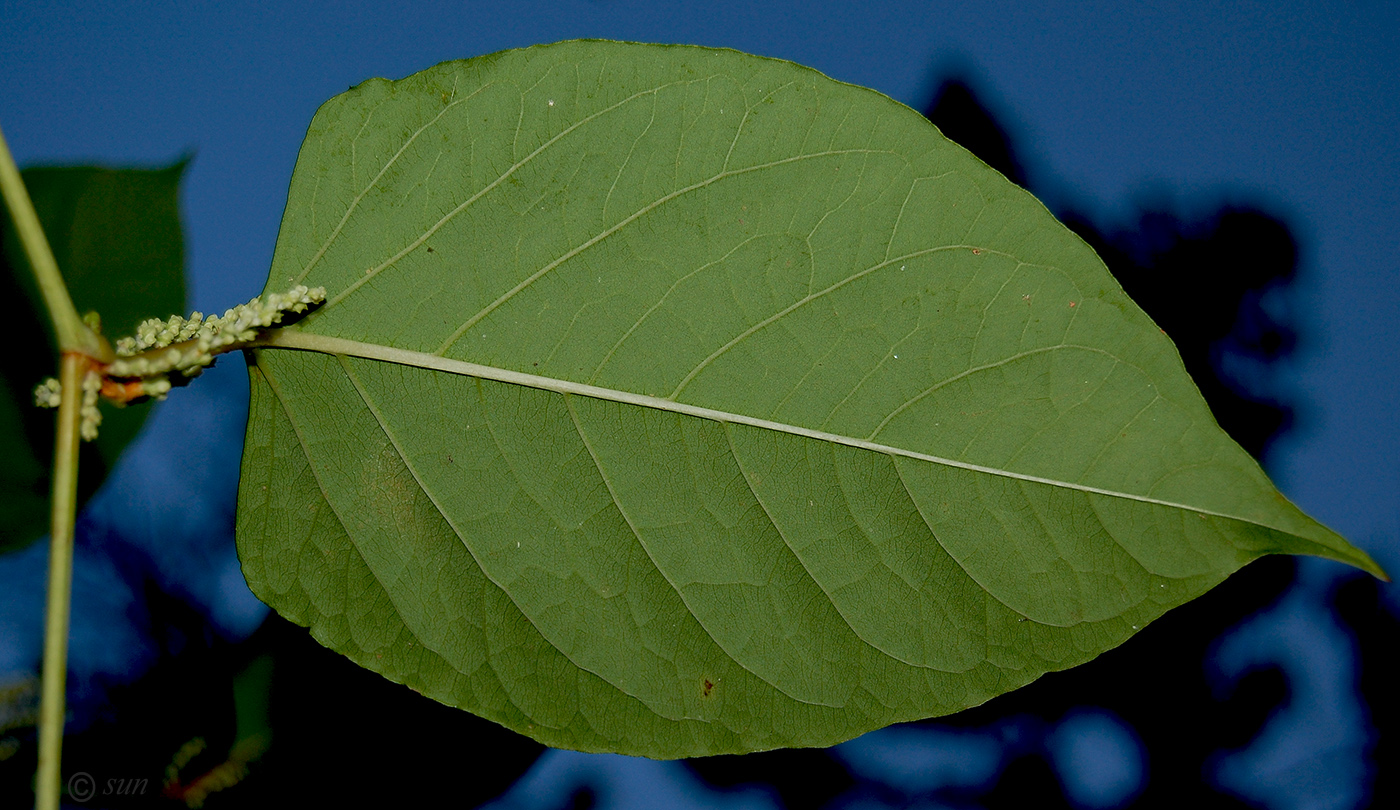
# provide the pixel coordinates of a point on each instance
(73, 334)
(79, 347)
(63, 512)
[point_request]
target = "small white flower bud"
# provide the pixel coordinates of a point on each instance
(156, 387)
(92, 417)
(48, 393)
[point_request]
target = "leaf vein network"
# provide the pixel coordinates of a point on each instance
(889, 353)
(662, 299)
(800, 303)
(612, 492)
(461, 537)
(320, 484)
(748, 482)
(355, 202)
(627, 161)
(512, 292)
(743, 122)
(453, 213)
(974, 370)
(899, 473)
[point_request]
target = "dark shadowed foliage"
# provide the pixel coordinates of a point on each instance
(1358, 603)
(324, 731)
(345, 736)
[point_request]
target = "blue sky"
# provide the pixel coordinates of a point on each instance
(1291, 106)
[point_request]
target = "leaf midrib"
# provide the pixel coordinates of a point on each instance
(305, 341)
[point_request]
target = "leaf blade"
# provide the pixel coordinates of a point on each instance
(763, 427)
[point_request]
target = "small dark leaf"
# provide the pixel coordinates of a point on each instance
(116, 236)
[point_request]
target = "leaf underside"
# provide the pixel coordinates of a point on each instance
(795, 421)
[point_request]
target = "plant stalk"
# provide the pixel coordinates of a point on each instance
(63, 512)
(79, 347)
(73, 335)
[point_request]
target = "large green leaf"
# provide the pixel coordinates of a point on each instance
(675, 401)
(117, 239)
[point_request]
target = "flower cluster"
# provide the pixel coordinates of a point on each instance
(162, 348)
(187, 345)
